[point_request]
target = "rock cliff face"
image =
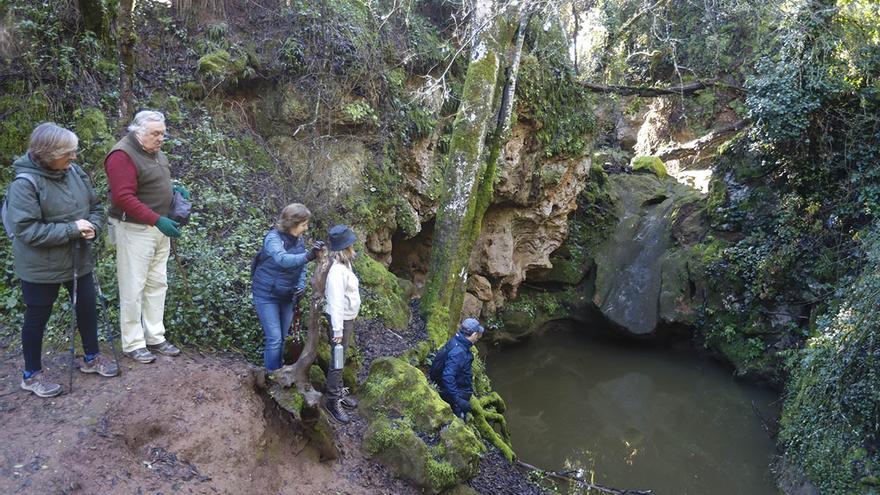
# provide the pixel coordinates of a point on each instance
(527, 221)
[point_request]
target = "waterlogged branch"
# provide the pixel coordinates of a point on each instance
(652, 91)
(567, 476)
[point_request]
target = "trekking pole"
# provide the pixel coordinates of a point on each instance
(105, 319)
(73, 315)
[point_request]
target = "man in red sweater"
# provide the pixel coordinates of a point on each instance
(140, 192)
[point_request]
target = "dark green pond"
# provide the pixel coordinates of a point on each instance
(637, 417)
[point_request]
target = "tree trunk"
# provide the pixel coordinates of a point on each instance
(470, 164)
(298, 372)
(125, 40)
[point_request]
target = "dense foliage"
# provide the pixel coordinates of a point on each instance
(789, 204)
(832, 413)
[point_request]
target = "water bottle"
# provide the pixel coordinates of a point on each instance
(338, 358)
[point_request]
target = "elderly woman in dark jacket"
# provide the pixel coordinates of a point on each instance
(279, 278)
(52, 209)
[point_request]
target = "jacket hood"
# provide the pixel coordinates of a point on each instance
(24, 164)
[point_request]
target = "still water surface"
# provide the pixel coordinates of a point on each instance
(642, 418)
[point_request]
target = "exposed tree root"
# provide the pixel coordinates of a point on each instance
(488, 409)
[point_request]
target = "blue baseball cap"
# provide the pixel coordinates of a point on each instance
(471, 326)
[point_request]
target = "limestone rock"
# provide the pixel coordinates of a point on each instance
(471, 306)
(642, 275)
(333, 169)
(521, 235)
(480, 286)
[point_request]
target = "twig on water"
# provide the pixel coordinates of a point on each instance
(585, 484)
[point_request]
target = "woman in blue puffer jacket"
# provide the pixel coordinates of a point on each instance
(279, 278)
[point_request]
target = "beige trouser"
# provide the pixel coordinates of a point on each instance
(141, 261)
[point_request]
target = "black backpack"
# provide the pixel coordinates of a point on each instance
(439, 361)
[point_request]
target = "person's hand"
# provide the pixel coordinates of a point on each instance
(182, 190)
(462, 415)
(168, 227)
(85, 228)
(316, 248)
(336, 340)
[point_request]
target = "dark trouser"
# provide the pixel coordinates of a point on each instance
(39, 299)
(334, 377)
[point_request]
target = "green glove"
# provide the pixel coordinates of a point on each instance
(168, 227)
(182, 190)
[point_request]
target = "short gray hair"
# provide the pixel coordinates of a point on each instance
(144, 117)
(50, 141)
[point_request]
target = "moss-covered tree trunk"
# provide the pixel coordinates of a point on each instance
(470, 164)
(125, 41)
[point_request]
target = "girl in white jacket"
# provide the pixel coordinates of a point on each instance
(342, 303)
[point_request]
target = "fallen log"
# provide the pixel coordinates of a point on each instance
(651, 91)
(709, 141)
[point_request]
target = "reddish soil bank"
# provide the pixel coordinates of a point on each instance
(191, 424)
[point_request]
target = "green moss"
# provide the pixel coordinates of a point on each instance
(440, 474)
(216, 63)
(95, 138)
(386, 297)
(402, 388)
(546, 93)
(288, 398)
(316, 376)
(221, 65)
(21, 113)
(402, 409)
(649, 164)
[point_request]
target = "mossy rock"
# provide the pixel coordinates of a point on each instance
(649, 164)
(413, 431)
(387, 298)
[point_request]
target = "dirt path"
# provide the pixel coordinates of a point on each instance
(192, 424)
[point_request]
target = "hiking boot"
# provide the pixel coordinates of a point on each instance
(166, 348)
(334, 407)
(100, 365)
(141, 355)
(40, 385)
(347, 400)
